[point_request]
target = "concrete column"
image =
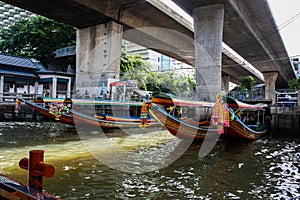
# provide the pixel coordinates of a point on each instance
(98, 53)
(208, 30)
(270, 92)
(225, 83)
(54, 86)
(1, 87)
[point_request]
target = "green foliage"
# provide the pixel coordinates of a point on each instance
(36, 37)
(294, 83)
(247, 82)
(169, 83)
(132, 65)
(239, 88)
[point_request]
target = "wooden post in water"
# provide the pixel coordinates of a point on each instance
(36, 169)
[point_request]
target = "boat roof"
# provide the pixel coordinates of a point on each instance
(233, 103)
(167, 99)
(93, 102)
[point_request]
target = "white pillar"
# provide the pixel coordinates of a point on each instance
(69, 88)
(1, 87)
(54, 86)
(208, 30)
(36, 89)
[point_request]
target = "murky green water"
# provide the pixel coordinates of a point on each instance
(265, 169)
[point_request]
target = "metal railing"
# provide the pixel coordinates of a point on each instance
(11, 97)
(287, 98)
(67, 51)
(247, 95)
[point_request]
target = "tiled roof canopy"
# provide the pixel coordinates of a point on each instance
(9, 60)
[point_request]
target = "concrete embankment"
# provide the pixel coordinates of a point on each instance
(7, 113)
(285, 118)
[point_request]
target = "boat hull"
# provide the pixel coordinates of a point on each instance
(13, 189)
(237, 130)
(83, 119)
(64, 118)
(180, 128)
(74, 117)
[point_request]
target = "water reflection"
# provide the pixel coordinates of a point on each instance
(265, 169)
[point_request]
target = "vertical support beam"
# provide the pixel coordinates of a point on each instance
(225, 83)
(54, 87)
(1, 87)
(36, 89)
(98, 55)
(69, 88)
(298, 98)
(208, 30)
(270, 79)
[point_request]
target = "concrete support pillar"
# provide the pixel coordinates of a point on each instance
(270, 79)
(225, 83)
(208, 30)
(1, 87)
(54, 87)
(98, 54)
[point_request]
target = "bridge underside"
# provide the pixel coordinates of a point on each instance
(249, 27)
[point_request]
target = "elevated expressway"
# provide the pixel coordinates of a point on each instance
(249, 29)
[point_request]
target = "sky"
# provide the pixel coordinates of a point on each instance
(287, 17)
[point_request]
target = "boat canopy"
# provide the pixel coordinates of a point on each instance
(235, 104)
(167, 99)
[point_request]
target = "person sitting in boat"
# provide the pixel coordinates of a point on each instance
(240, 97)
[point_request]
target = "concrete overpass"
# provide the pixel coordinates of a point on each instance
(248, 27)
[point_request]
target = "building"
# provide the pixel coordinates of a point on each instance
(159, 62)
(10, 14)
(24, 77)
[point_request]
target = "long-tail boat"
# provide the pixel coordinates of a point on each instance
(85, 119)
(237, 120)
(63, 112)
(53, 114)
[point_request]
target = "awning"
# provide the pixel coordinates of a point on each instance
(45, 80)
(17, 73)
(19, 79)
(62, 80)
(50, 79)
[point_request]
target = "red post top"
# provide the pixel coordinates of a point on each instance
(35, 164)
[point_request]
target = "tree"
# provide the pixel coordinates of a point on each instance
(132, 66)
(169, 83)
(294, 83)
(247, 82)
(36, 37)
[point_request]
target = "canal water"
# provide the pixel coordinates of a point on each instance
(264, 169)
